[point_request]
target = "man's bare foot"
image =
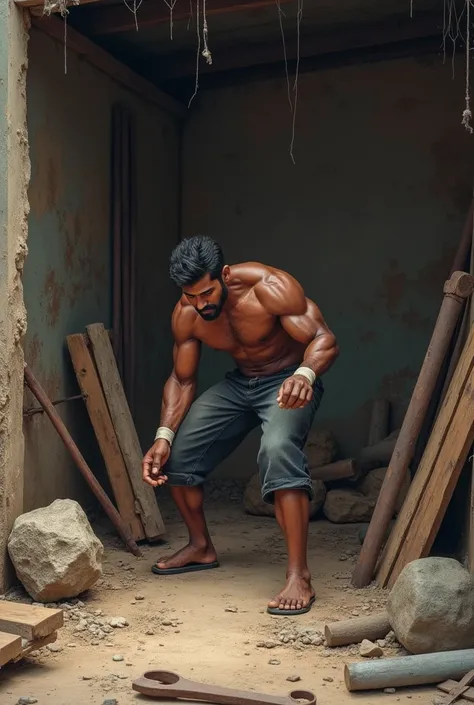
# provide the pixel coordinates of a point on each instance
(189, 554)
(296, 595)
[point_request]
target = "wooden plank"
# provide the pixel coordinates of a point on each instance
(10, 647)
(114, 19)
(105, 62)
(89, 383)
(125, 429)
(439, 490)
(427, 463)
(29, 622)
(470, 533)
(448, 686)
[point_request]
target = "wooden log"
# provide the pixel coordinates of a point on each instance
(104, 431)
(76, 455)
(125, 430)
(432, 506)
(456, 290)
(427, 464)
(10, 647)
(404, 671)
(379, 419)
(353, 631)
(29, 622)
(380, 452)
(338, 470)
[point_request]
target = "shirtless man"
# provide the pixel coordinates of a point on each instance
(281, 346)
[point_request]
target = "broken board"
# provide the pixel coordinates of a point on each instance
(30, 623)
(99, 415)
(125, 429)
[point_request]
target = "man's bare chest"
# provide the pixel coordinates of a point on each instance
(245, 328)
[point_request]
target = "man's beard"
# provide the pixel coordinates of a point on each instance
(211, 312)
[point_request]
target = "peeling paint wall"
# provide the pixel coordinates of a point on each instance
(14, 176)
(368, 219)
(67, 275)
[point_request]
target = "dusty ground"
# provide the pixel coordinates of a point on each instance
(208, 626)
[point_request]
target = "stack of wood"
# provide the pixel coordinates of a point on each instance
(439, 421)
(99, 379)
(24, 629)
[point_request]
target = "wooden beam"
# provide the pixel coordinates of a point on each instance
(40, 5)
(346, 38)
(29, 622)
(105, 62)
(114, 19)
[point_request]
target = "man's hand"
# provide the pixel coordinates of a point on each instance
(153, 462)
(295, 392)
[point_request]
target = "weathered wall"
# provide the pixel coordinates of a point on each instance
(14, 175)
(68, 271)
(367, 220)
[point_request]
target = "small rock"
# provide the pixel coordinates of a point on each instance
(150, 632)
(317, 641)
(96, 643)
(328, 679)
(293, 679)
(231, 609)
(139, 597)
(117, 657)
(270, 644)
(389, 690)
(347, 506)
(72, 646)
(54, 648)
(86, 678)
(27, 701)
(166, 623)
(306, 640)
(118, 622)
(274, 662)
(111, 701)
(370, 650)
(382, 643)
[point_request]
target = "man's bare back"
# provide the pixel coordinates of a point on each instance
(281, 345)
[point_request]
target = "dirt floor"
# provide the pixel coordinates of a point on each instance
(210, 626)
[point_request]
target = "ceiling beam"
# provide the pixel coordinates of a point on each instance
(346, 38)
(105, 62)
(52, 8)
(113, 19)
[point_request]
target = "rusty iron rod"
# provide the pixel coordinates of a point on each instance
(39, 409)
(37, 390)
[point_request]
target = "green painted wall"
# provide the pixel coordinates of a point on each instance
(367, 219)
(68, 270)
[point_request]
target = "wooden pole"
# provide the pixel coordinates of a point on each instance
(339, 470)
(422, 669)
(76, 455)
(353, 631)
(456, 290)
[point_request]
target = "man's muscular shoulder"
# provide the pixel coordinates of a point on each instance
(276, 290)
(183, 321)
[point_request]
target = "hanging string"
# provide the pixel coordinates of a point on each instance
(198, 54)
(467, 114)
(205, 35)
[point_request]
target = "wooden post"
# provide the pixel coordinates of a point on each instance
(76, 455)
(422, 669)
(456, 290)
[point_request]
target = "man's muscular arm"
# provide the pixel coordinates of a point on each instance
(283, 296)
(178, 393)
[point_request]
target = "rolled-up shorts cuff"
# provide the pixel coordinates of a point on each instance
(270, 488)
(179, 479)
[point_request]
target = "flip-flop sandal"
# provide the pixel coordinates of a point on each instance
(188, 568)
(291, 613)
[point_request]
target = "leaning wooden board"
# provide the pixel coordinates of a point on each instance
(444, 477)
(30, 623)
(106, 437)
(427, 464)
(125, 429)
(10, 647)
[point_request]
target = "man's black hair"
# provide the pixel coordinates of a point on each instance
(195, 257)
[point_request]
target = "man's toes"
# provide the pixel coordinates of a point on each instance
(275, 603)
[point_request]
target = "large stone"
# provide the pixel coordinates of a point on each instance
(431, 606)
(254, 504)
(347, 506)
(372, 482)
(55, 552)
(321, 448)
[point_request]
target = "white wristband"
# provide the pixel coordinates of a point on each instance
(306, 372)
(166, 433)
